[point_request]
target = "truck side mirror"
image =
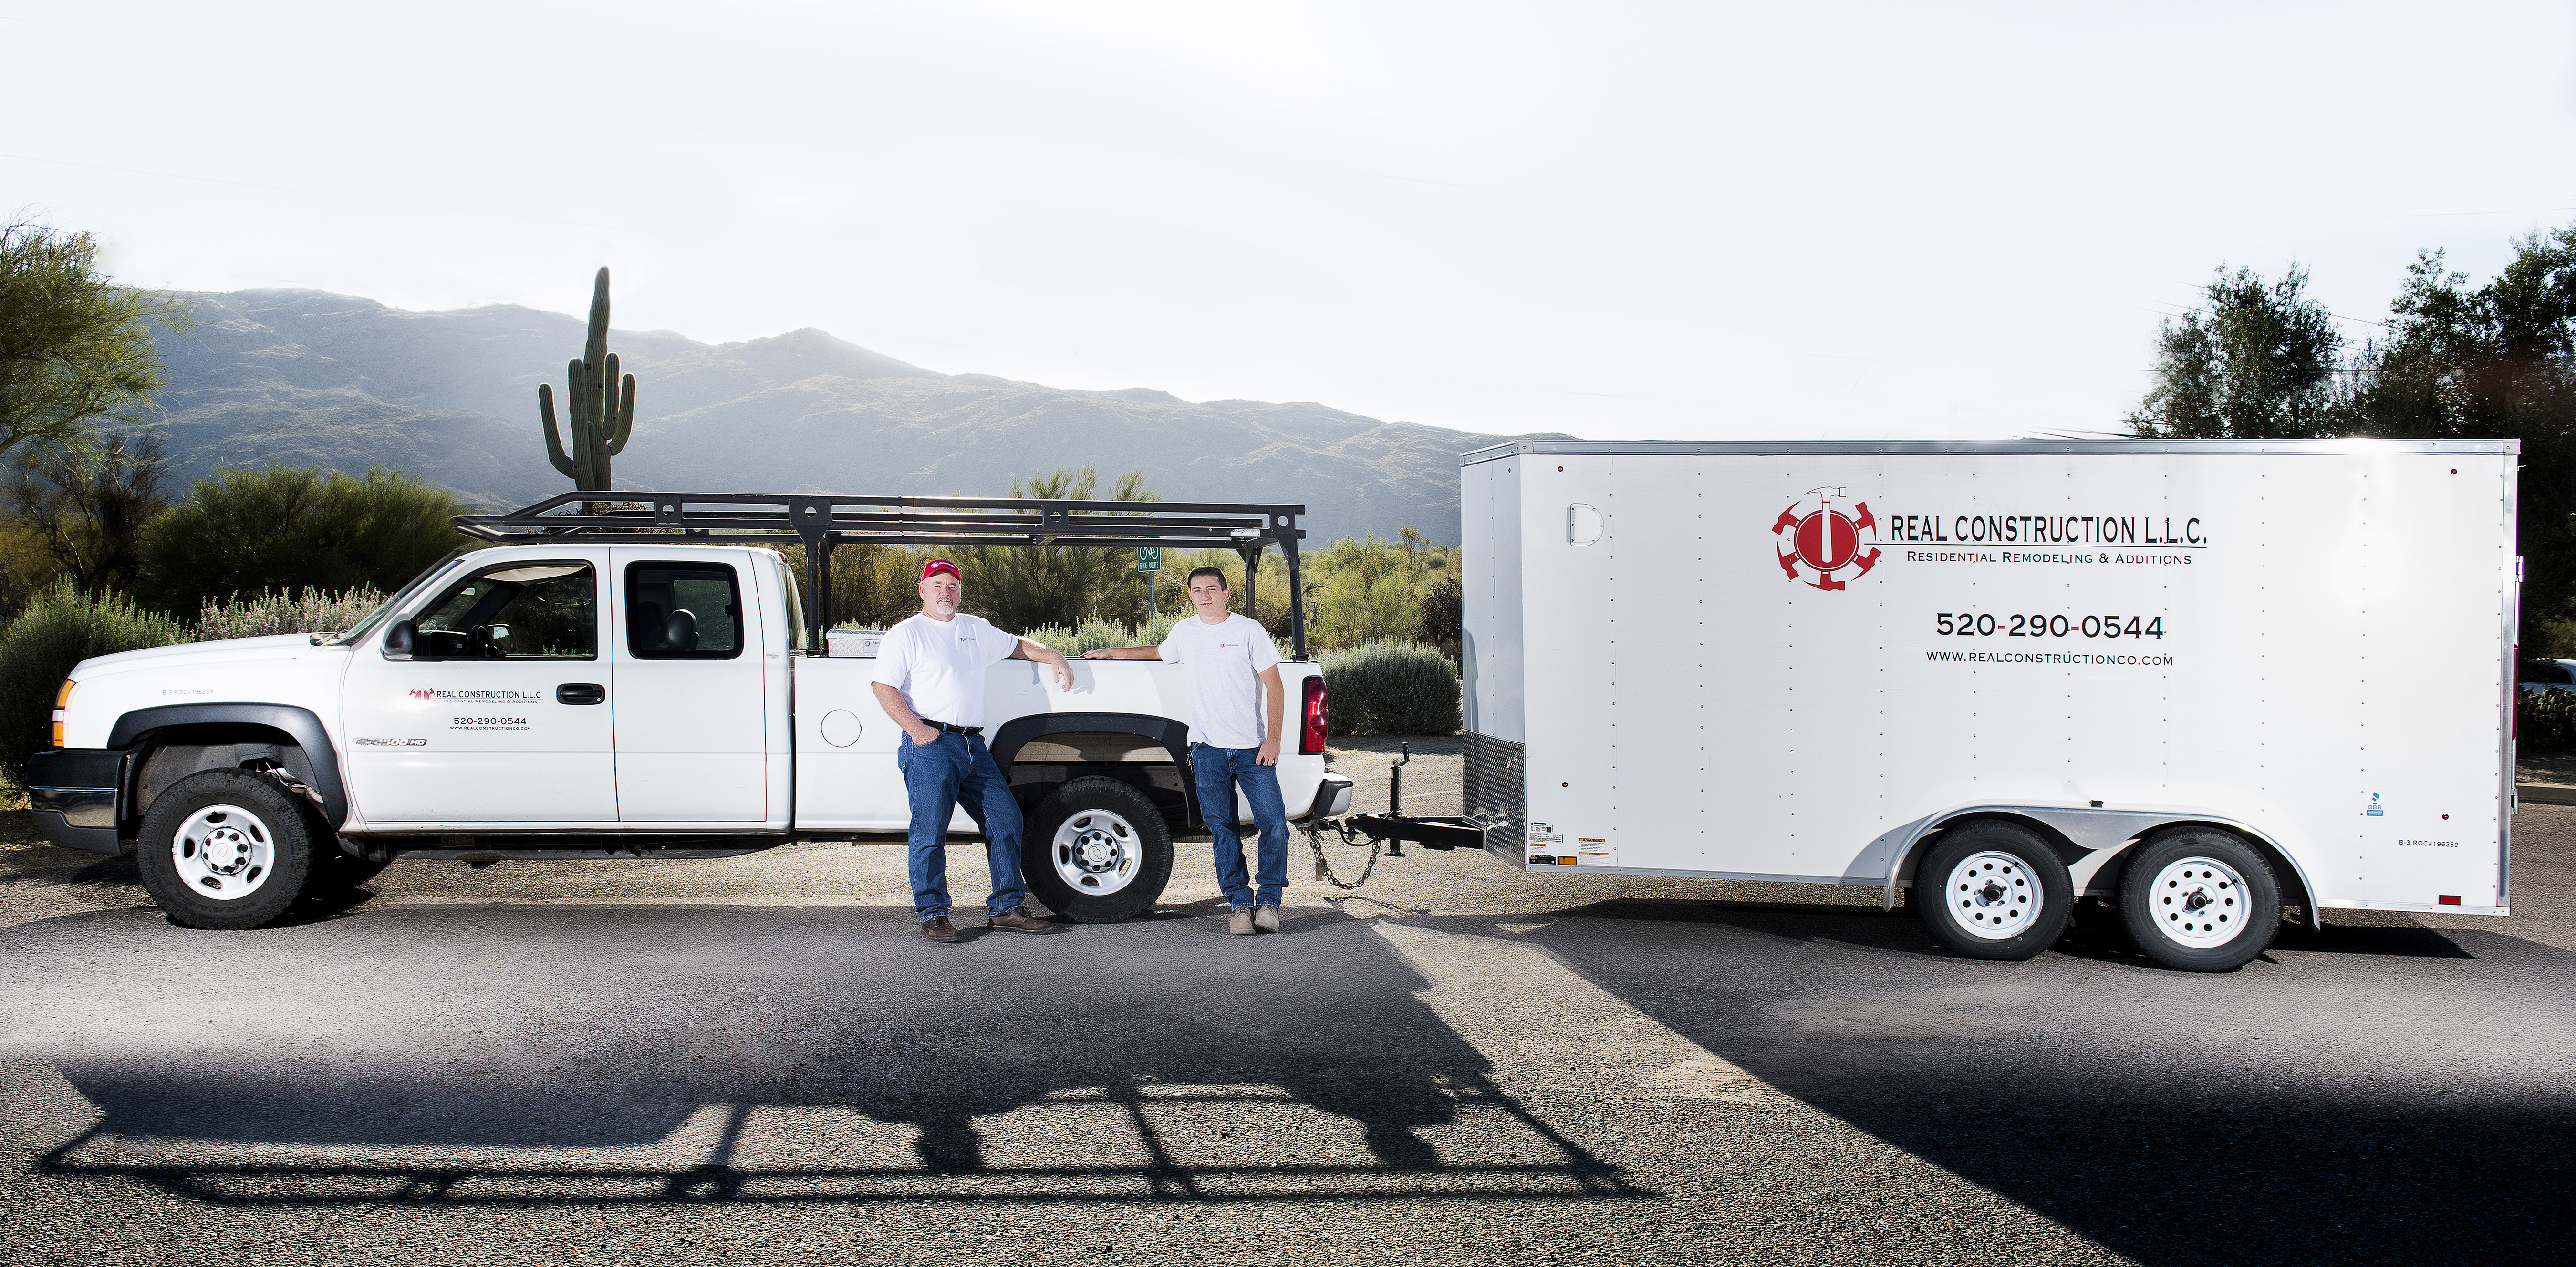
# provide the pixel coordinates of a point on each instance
(398, 639)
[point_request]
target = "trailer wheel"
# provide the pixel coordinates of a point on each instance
(226, 849)
(2200, 899)
(1993, 890)
(1096, 851)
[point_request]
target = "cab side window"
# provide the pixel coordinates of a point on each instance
(683, 611)
(525, 611)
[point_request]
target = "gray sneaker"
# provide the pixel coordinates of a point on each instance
(1266, 918)
(1240, 925)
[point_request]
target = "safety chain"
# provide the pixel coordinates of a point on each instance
(1324, 871)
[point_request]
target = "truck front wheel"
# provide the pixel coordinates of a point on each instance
(226, 849)
(1096, 851)
(2200, 899)
(1993, 890)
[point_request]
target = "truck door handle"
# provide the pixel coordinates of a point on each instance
(581, 693)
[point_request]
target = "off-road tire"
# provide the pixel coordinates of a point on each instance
(266, 834)
(1993, 890)
(1096, 851)
(2240, 896)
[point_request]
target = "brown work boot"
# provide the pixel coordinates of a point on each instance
(1021, 921)
(1240, 925)
(1266, 918)
(939, 929)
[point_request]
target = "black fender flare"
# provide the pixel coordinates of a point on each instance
(298, 724)
(1174, 737)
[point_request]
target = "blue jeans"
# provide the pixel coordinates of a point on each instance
(937, 778)
(1217, 772)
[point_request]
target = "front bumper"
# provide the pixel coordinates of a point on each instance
(73, 795)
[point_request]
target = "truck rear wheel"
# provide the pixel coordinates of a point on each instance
(226, 849)
(2200, 899)
(1096, 851)
(1993, 890)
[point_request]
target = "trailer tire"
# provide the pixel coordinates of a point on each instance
(1096, 851)
(1993, 890)
(2200, 899)
(227, 849)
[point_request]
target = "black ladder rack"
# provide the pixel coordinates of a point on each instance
(820, 522)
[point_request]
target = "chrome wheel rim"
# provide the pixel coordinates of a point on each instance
(2198, 902)
(1993, 895)
(1097, 851)
(223, 852)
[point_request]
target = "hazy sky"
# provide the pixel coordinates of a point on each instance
(1617, 220)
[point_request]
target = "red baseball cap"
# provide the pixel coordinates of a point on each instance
(937, 566)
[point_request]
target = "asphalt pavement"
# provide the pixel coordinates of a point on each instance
(759, 1060)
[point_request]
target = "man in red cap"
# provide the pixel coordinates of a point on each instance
(930, 680)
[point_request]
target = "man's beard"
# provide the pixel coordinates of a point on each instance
(943, 607)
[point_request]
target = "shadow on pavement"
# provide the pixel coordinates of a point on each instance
(2361, 1094)
(641, 1053)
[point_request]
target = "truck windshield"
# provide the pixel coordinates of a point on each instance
(393, 604)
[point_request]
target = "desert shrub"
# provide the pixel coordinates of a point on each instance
(1392, 687)
(59, 629)
(266, 613)
(1092, 635)
(289, 527)
(2545, 721)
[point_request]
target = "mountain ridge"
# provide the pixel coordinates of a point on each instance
(310, 377)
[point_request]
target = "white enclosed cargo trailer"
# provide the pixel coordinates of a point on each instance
(2205, 679)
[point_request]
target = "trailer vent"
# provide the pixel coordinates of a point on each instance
(1497, 799)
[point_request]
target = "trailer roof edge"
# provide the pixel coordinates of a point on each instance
(1841, 448)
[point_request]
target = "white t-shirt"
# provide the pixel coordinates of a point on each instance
(1226, 660)
(938, 665)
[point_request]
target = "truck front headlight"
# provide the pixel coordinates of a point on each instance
(62, 701)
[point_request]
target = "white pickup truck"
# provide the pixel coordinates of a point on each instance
(574, 698)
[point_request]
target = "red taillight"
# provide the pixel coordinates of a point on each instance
(2449, 899)
(1318, 725)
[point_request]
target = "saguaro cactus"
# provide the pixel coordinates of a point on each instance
(601, 422)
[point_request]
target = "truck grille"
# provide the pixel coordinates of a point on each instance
(1497, 795)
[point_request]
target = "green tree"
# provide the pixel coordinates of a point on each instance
(74, 346)
(88, 507)
(2498, 361)
(1023, 587)
(2259, 362)
(290, 527)
(1366, 589)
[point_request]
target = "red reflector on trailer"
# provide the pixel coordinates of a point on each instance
(2448, 899)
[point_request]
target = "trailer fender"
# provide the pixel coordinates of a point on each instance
(2095, 831)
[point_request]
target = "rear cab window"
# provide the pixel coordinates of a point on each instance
(683, 611)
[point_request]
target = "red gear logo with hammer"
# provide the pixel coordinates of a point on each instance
(1818, 539)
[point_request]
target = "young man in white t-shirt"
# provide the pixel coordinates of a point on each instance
(930, 680)
(1234, 740)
